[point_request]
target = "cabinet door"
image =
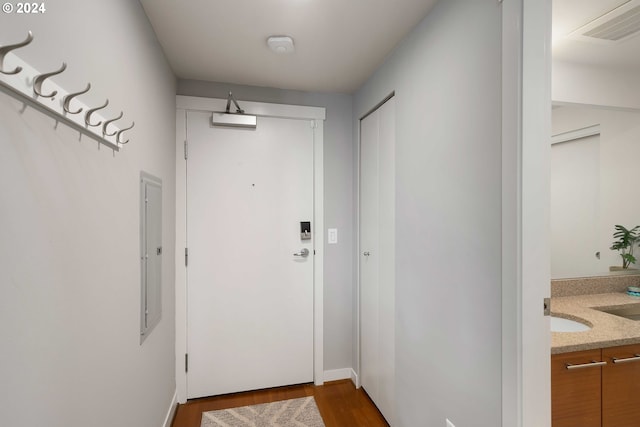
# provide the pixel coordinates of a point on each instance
(576, 392)
(621, 386)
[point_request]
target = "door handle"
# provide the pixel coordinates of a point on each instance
(636, 358)
(366, 253)
(304, 252)
(593, 364)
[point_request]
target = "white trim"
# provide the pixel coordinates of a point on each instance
(535, 275)
(318, 114)
(575, 134)
(181, 243)
(511, 282)
(318, 246)
(357, 258)
(355, 379)
(526, 120)
(172, 410)
(338, 374)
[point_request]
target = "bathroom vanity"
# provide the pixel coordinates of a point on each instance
(595, 373)
(596, 388)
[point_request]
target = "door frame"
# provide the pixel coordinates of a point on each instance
(526, 149)
(317, 115)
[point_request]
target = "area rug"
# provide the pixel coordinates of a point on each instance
(301, 412)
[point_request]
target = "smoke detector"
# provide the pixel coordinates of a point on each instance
(620, 24)
(281, 44)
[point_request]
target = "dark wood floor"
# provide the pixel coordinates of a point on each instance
(340, 404)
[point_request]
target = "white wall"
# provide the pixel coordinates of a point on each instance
(582, 84)
(447, 78)
(619, 149)
(69, 233)
(338, 202)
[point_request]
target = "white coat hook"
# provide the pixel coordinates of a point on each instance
(87, 117)
(8, 48)
(107, 122)
(119, 133)
(66, 101)
(37, 82)
(35, 91)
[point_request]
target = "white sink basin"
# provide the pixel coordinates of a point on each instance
(559, 324)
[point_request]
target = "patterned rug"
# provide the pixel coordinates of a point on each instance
(301, 412)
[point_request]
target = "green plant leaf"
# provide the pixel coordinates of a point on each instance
(625, 241)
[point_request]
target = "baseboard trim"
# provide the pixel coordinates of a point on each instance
(172, 410)
(339, 374)
(354, 379)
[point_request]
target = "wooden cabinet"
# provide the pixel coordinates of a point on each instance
(621, 386)
(596, 388)
(576, 389)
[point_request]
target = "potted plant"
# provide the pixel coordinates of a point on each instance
(625, 241)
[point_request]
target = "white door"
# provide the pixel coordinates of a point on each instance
(377, 257)
(369, 280)
(575, 208)
(250, 299)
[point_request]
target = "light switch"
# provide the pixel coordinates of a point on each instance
(332, 236)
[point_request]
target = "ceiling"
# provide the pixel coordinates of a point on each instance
(569, 15)
(338, 43)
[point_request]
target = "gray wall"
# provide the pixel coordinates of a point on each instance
(446, 75)
(338, 202)
(69, 228)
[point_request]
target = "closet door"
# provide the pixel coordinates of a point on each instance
(369, 256)
(377, 257)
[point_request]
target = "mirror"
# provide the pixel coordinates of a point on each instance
(594, 186)
(596, 118)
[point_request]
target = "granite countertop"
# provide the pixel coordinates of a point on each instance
(607, 330)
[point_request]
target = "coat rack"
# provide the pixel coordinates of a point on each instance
(56, 102)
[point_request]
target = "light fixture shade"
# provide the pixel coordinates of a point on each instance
(281, 44)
